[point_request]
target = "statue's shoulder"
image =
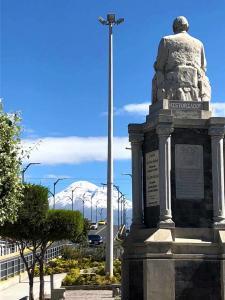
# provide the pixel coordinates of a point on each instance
(166, 39)
(194, 40)
(181, 38)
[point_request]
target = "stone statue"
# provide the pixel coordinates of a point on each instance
(180, 67)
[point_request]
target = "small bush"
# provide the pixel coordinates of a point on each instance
(68, 252)
(68, 280)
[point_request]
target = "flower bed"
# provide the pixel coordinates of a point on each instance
(82, 270)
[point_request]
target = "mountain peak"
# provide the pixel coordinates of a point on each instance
(84, 193)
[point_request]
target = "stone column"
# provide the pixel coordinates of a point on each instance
(217, 134)
(164, 130)
(136, 140)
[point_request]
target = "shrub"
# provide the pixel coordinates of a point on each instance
(73, 266)
(10, 161)
(69, 253)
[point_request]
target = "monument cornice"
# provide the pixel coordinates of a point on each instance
(136, 134)
(165, 125)
(216, 127)
(136, 138)
(216, 132)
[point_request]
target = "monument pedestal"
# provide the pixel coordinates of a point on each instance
(176, 247)
(182, 263)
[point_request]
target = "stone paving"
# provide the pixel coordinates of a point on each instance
(89, 295)
(18, 290)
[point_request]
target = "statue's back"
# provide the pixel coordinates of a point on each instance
(180, 69)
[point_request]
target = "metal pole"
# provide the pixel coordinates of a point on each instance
(121, 211)
(91, 209)
(54, 184)
(83, 200)
(118, 213)
(24, 170)
(83, 208)
(72, 199)
(23, 176)
(124, 212)
(100, 213)
(111, 20)
(54, 195)
(118, 200)
(92, 196)
(109, 244)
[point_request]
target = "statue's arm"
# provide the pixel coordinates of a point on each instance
(161, 56)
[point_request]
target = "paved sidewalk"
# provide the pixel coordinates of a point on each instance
(20, 290)
(89, 295)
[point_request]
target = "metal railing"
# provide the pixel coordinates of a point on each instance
(7, 248)
(12, 266)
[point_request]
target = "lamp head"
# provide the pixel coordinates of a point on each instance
(119, 21)
(111, 18)
(102, 21)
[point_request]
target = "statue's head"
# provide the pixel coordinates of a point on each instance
(180, 24)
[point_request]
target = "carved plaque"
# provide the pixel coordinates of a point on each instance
(185, 105)
(152, 178)
(189, 171)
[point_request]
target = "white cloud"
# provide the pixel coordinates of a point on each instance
(142, 109)
(218, 109)
(74, 150)
(137, 108)
(54, 176)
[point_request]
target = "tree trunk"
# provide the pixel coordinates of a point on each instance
(41, 273)
(30, 270)
(31, 285)
(42, 281)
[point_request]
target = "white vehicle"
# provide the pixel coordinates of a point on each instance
(94, 226)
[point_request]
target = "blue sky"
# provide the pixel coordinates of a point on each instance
(54, 70)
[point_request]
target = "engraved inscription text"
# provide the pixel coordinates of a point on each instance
(189, 171)
(152, 178)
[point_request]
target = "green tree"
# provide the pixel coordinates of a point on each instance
(27, 230)
(82, 237)
(37, 228)
(10, 162)
(59, 225)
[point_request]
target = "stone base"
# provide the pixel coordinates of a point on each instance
(166, 224)
(181, 109)
(176, 264)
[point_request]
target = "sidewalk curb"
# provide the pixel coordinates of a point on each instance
(91, 287)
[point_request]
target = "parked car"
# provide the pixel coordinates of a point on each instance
(95, 239)
(94, 226)
(102, 222)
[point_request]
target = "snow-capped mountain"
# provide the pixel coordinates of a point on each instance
(84, 194)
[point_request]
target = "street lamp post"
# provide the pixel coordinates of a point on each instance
(96, 211)
(71, 198)
(91, 202)
(118, 199)
(25, 168)
(54, 184)
(122, 209)
(101, 213)
(124, 213)
(83, 201)
(127, 174)
(110, 22)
